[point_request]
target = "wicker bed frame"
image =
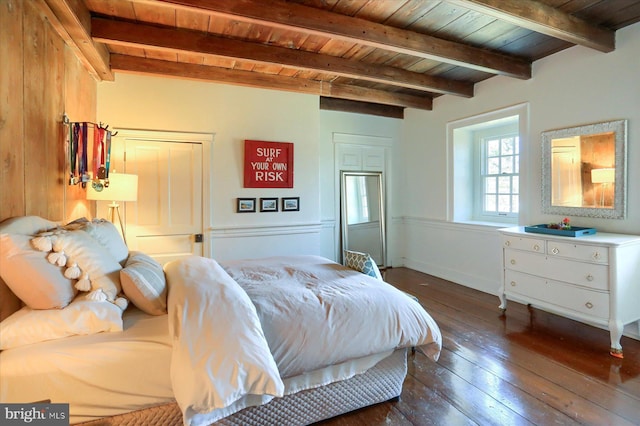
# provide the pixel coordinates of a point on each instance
(380, 383)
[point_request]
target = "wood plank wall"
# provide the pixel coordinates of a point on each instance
(40, 80)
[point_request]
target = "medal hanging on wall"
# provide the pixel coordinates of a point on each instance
(101, 157)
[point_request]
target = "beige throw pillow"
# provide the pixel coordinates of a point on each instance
(144, 283)
(79, 251)
(30, 276)
(26, 225)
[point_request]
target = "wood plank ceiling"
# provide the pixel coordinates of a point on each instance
(398, 53)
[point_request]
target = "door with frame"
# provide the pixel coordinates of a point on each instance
(169, 219)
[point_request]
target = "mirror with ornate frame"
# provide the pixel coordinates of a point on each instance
(584, 170)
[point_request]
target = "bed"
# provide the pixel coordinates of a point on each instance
(280, 340)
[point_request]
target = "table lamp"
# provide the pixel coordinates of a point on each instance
(122, 187)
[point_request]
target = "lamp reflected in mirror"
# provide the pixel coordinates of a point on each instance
(605, 177)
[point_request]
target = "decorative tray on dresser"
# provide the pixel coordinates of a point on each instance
(594, 278)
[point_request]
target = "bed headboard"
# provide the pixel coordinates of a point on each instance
(9, 302)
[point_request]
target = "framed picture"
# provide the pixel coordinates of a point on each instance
(290, 204)
(246, 205)
(268, 204)
(268, 164)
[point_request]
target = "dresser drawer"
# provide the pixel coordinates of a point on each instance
(520, 243)
(580, 300)
(582, 252)
(588, 275)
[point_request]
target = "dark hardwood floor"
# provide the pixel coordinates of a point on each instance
(525, 367)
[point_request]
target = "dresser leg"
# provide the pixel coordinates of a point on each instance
(615, 330)
(503, 302)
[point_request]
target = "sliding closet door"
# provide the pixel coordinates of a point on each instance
(166, 221)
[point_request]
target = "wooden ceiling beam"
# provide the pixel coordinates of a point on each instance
(71, 20)
(174, 40)
(333, 104)
(133, 64)
(295, 17)
(544, 19)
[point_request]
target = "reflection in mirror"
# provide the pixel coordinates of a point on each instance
(362, 218)
(584, 170)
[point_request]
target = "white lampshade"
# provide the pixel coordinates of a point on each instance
(122, 187)
(606, 175)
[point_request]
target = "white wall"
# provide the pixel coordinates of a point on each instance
(234, 114)
(353, 124)
(573, 87)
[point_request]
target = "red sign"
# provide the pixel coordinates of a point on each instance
(268, 164)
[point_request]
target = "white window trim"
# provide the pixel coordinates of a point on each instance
(459, 209)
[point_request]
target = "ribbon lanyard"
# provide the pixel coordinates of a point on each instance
(84, 162)
(74, 134)
(108, 161)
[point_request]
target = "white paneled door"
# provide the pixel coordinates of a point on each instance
(166, 221)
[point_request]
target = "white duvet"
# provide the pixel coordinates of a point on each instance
(238, 331)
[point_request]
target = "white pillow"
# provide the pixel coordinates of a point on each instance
(38, 283)
(26, 225)
(108, 236)
(82, 316)
(144, 283)
(85, 253)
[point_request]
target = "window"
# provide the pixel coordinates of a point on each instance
(484, 160)
(499, 176)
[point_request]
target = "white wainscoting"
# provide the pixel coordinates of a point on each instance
(244, 242)
(466, 254)
(329, 246)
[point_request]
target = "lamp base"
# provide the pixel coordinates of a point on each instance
(114, 208)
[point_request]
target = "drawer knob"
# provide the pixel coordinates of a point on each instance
(536, 247)
(555, 250)
(596, 255)
(513, 261)
(513, 283)
(589, 277)
(589, 305)
(507, 243)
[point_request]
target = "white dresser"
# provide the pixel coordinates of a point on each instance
(594, 279)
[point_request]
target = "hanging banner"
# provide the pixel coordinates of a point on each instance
(268, 164)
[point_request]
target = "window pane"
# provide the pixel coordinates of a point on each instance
(515, 204)
(507, 146)
(504, 184)
(493, 148)
(490, 185)
(504, 203)
(516, 161)
(515, 185)
(517, 144)
(490, 203)
(493, 166)
(506, 164)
